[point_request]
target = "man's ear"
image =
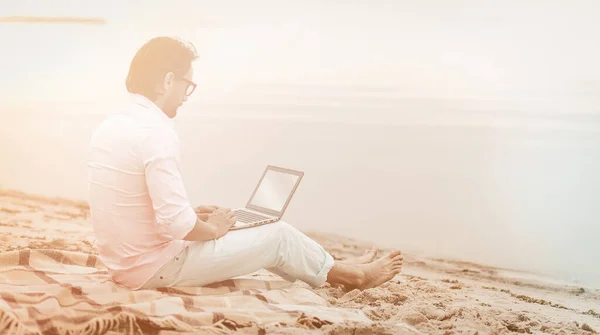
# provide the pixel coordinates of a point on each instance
(168, 82)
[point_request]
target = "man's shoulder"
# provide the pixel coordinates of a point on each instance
(159, 135)
(132, 120)
(134, 126)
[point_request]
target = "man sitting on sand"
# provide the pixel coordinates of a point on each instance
(149, 235)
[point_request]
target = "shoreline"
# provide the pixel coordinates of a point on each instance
(433, 295)
(518, 274)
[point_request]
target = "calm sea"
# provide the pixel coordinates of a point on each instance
(518, 190)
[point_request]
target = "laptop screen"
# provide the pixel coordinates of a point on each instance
(274, 190)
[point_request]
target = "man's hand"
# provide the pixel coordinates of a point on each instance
(221, 219)
(211, 226)
(203, 216)
(206, 209)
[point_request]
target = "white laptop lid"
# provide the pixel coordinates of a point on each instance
(274, 190)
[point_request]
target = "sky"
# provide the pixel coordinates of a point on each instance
(501, 56)
(541, 54)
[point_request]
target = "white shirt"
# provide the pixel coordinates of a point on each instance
(139, 206)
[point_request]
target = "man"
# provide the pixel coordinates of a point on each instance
(149, 235)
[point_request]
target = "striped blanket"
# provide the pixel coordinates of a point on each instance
(46, 291)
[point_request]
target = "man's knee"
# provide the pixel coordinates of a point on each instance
(283, 226)
(281, 229)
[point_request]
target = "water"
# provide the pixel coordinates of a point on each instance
(518, 193)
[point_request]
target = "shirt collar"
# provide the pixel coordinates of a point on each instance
(144, 102)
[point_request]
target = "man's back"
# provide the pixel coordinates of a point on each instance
(131, 157)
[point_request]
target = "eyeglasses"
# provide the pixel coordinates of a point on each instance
(191, 86)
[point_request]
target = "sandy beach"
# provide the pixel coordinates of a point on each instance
(431, 296)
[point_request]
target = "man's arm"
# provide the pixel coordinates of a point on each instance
(202, 231)
(175, 216)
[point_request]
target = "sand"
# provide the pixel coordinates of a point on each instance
(433, 296)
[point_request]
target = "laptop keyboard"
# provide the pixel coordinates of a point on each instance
(246, 217)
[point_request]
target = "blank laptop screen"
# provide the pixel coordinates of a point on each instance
(274, 190)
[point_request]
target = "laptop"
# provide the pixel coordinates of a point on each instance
(270, 198)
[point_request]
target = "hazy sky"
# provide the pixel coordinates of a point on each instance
(536, 50)
(508, 55)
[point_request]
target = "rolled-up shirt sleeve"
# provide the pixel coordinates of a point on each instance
(175, 216)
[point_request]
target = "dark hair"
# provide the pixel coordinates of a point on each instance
(154, 60)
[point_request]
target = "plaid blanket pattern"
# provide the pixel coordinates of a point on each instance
(44, 291)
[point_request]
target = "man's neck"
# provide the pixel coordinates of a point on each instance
(160, 103)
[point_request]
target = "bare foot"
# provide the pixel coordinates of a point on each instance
(380, 271)
(367, 257)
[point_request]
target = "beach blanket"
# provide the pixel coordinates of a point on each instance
(45, 291)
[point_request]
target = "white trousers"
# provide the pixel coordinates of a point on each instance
(277, 247)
